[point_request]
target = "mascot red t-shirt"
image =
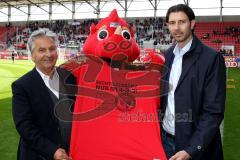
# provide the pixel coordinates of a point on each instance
(115, 114)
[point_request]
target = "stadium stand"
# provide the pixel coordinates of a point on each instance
(150, 33)
(216, 34)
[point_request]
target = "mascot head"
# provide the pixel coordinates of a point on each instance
(112, 36)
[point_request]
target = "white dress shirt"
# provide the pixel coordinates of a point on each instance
(175, 73)
(52, 83)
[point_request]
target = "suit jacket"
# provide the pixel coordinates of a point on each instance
(34, 116)
(199, 101)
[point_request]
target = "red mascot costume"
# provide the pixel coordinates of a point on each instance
(115, 115)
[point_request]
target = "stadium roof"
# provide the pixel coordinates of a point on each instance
(16, 3)
(32, 10)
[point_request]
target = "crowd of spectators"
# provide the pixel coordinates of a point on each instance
(226, 52)
(231, 31)
(154, 29)
(147, 30)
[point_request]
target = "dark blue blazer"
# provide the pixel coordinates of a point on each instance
(33, 114)
(199, 101)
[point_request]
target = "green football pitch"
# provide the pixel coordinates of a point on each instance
(9, 137)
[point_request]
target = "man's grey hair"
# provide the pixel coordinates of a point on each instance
(42, 32)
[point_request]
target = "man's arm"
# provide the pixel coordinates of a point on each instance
(213, 108)
(23, 118)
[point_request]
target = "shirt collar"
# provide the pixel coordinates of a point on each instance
(181, 51)
(44, 76)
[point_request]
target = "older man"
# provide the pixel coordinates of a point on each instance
(42, 134)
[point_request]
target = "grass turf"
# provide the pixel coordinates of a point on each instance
(9, 137)
(231, 132)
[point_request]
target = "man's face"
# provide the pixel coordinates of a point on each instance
(44, 54)
(180, 27)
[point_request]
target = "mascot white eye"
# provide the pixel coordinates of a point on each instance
(102, 34)
(126, 34)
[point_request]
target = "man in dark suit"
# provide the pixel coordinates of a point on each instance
(193, 109)
(43, 135)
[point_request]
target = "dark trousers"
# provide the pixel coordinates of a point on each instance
(168, 144)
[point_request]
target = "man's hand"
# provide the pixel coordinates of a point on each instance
(154, 58)
(61, 154)
(181, 155)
